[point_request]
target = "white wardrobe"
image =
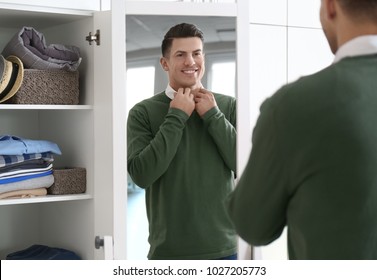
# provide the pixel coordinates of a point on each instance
(90, 135)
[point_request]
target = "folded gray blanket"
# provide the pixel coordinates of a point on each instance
(30, 46)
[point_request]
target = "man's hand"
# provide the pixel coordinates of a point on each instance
(204, 101)
(183, 100)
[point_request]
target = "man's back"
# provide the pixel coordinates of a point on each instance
(318, 152)
(333, 163)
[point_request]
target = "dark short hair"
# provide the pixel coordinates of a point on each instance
(182, 30)
(360, 9)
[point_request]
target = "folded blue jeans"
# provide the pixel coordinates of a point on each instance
(231, 257)
(42, 252)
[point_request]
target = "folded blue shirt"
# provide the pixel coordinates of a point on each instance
(23, 178)
(7, 161)
(13, 145)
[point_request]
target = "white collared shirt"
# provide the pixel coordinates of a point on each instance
(169, 91)
(362, 45)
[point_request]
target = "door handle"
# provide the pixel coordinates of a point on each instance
(107, 243)
(99, 242)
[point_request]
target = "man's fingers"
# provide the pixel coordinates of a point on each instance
(204, 91)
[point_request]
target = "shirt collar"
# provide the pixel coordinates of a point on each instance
(363, 45)
(169, 91)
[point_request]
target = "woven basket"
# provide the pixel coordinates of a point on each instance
(56, 87)
(68, 181)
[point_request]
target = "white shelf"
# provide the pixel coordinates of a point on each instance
(44, 107)
(17, 16)
(44, 9)
(44, 199)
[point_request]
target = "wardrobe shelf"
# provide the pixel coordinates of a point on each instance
(44, 199)
(44, 107)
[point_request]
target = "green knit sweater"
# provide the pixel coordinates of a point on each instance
(186, 164)
(313, 166)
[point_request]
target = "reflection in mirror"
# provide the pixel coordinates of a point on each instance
(145, 78)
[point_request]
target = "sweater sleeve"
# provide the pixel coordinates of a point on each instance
(224, 134)
(149, 155)
(258, 204)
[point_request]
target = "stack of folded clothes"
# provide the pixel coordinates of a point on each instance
(26, 166)
(30, 46)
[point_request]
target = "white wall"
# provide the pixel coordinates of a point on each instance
(286, 42)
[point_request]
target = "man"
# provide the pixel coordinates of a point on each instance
(313, 162)
(181, 149)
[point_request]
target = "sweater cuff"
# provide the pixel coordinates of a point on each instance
(210, 113)
(178, 113)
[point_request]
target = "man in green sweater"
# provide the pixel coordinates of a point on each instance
(313, 162)
(182, 150)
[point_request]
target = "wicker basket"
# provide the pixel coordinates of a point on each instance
(68, 181)
(57, 87)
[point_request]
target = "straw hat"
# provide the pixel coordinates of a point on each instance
(11, 76)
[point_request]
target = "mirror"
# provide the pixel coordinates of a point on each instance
(144, 34)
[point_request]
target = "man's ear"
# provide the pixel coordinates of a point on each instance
(331, 8)
(164, 64)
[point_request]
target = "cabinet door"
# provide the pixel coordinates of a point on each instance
(110, 182)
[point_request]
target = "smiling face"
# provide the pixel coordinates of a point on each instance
(185, 63)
